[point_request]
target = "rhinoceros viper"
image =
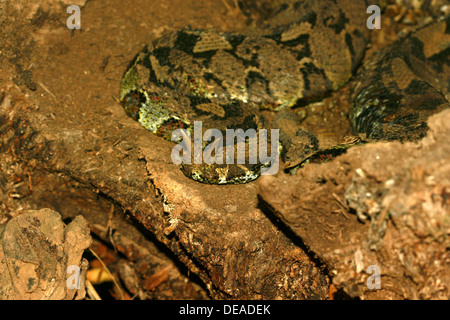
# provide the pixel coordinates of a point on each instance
(301, 52)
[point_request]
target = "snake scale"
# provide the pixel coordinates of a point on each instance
(298, 54)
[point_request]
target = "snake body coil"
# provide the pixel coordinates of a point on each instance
(305, 50)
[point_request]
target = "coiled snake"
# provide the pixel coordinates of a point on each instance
(302, 52)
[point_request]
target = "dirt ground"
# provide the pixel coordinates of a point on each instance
(66, 144)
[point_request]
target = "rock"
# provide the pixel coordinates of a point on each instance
(41, 257)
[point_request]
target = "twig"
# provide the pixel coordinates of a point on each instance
(92, 293)
(110, 226)
(46, 90)
(107, 270)
(343, 207)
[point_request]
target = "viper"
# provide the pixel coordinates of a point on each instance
(298, 54)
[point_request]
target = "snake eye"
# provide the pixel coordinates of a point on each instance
(132, 102)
